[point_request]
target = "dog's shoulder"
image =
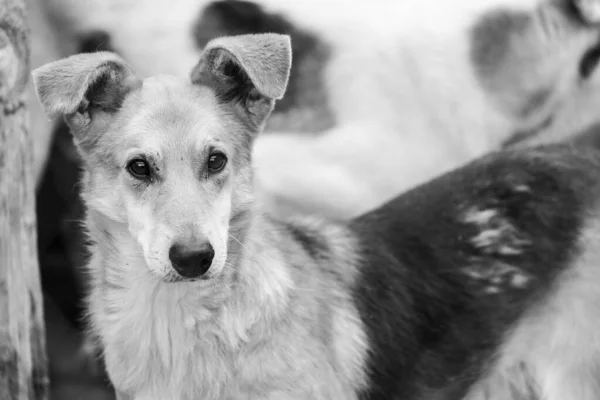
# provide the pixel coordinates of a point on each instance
(325, 247)
(452, 265)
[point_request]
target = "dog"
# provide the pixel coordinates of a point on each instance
(481, 284)
(420, 86)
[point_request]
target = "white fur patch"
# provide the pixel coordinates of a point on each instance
(480, 217)
(495, 276)
(496, 234)
(496, 237)
(350, 344)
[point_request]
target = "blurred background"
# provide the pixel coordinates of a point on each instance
(383, 96)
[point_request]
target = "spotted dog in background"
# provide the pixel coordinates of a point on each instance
(384, 95)
(482, 284)
(497, 266)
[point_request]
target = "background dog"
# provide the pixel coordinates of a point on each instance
(377, 87)
(481, 284)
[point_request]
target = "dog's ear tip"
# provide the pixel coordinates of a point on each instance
(37, 74)
(283, 38)
(279, 88)
(287, 39)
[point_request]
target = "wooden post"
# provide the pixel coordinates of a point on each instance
(23, 361)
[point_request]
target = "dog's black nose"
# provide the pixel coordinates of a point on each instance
(191, 262)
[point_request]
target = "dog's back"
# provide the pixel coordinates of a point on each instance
(497, 268)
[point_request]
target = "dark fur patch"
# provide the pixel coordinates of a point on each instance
(234, 88)
(312, 242)
(432, 328)
(491, 38)
(95, 41)
(495, 40)
(588, 138)
(237, 83)
(589, 62)
(305, 88)
(109, 91)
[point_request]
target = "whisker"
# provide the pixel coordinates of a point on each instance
(237, 240)
(233, 268)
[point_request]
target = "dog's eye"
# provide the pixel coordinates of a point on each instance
(216, 162)
(139, 169)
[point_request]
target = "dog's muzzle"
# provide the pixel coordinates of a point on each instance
(191, 262)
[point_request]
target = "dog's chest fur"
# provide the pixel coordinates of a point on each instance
(190, 341)
(159, 341)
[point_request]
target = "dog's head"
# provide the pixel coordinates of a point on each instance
(168, 157)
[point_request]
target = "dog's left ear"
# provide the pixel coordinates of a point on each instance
(249, 71)
(86, 90)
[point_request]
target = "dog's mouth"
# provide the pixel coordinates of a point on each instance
(174, 277)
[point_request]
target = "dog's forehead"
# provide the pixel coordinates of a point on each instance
(167, 108)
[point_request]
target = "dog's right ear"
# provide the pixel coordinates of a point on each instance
(85, 89)
(248, 71)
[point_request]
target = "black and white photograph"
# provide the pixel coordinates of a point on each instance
(300, 200)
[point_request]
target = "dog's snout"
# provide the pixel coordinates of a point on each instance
(191, 262)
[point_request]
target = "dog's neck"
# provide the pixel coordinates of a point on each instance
(252, 292)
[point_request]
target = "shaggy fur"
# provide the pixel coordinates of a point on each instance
(480, 285)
